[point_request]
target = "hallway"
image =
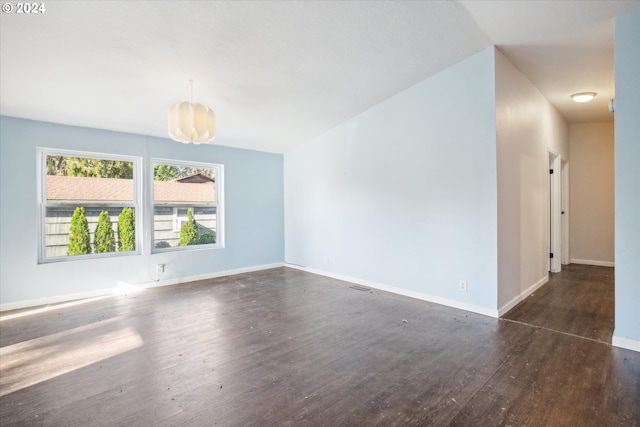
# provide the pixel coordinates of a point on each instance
(577, 301)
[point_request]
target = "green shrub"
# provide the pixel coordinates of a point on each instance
(127, 230)
(189, 231)
(79, 240)
(205, 237)
(105, 240)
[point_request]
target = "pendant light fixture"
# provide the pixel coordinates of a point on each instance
(192, 122)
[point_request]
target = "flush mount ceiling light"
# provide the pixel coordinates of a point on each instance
(189, 122)
(583, 96)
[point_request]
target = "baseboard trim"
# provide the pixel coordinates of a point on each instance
(593, 262)
(627, 343)
(400, 291)
(124, 287)
(213, 275)
(524, 294)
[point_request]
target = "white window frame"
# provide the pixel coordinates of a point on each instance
(218, 172)
(179, 220)
(43, 203)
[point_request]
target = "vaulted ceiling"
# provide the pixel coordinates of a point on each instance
(278, 73)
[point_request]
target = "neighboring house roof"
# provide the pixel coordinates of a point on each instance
(196, 178)
(174, 191)
(112, 190)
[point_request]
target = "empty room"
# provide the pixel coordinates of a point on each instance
(322, 213)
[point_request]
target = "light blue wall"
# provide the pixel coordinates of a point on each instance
(404, 194)
(254, 212)
(627, 177)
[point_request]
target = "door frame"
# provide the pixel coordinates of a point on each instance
(565, 213)
(555, 212)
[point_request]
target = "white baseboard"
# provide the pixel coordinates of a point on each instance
(400, 291)
(213, 275)
(130, 287)
(593, 262)
(627, 343)
(524, 294)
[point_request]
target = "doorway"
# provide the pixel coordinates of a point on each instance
(556, 209)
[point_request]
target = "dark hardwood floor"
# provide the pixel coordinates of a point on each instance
(579, 300)
(283, 347)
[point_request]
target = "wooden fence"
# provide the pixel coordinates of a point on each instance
(166, 225)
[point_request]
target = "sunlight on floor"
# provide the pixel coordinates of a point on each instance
(123, 288)
(31, 362)
(44, 309)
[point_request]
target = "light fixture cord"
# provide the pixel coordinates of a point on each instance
(191, 83)
(169, 101)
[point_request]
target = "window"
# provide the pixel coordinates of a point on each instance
(180, 216)
(187, 205)
(89, 203)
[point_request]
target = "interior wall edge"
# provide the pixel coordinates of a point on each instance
(626, 343)
(593, 262)
(521, 297)
(401, 291)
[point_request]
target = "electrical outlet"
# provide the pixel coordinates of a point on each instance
(160, 268)
(327, 261)
(463, 286)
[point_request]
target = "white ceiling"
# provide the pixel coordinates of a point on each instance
(278, 73)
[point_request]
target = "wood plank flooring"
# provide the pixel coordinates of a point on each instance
(283, 347)
(579, 300)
